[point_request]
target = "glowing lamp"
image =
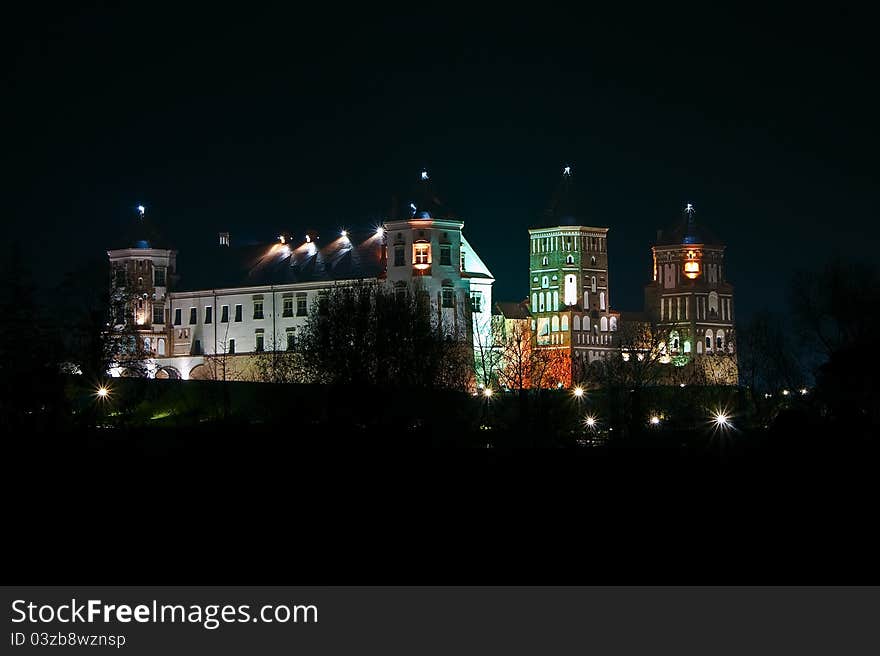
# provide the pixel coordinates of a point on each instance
(721, 420)
(578, 391)
(102, 392)
(344, 234)
(785, 392)
(487, 392)
(590, 421)
(803, 391)
(655, 420)
(380, 231)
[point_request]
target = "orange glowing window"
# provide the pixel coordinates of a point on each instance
(692, 265)
(421, 255)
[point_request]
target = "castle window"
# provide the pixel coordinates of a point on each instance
(177, 318)
(586, 300)
(291, 339)
(477, 301)
(258, 309)
(545, 281)
(544, 261)
(554, 322)
(713, 304)
(238, 313)
(576, 322)
(708, 340)
(224, 314)
(592, 260)
(541, 306)
(601, 300)
(259, 340)
(231, 349)
(673, 340)
(613, 323)
(399, 257)
(160, 346)
(534, 302)
(301, 304)
(586, 322)
(209, 314)
(593, 284)
(197, 347)
(193, 316)
(570, 289)
(564, 325)
(158, 314)
(287, 306)
(555, 301)
(687, 346)
(569, 259)
(159, 276)
(719, 340)
(447, 299)
(603, 322)
(421, 255)
(445, 255)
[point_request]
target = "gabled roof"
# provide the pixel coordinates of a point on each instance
(280, 264)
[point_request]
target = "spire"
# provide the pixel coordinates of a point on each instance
(424, 202)
(142, 232)
(563, 206)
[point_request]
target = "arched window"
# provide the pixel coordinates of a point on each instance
(586, 300)
(570, 289)
(593, 260)
(534, 302)
(604, 323)
(601, 300)
(544, 261)
(719, 340)
(542, 305)
(569, 259)
(564, 322)
(147, 343)
(160, 346)
(713, 304)
(576, 322)
(699, 346)
(545, 281)
(673, 340)
(555, 301)
(593, 284)
(708, 340)
(554, 323)
(613, 323)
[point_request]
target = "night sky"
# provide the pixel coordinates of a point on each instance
(259, 121)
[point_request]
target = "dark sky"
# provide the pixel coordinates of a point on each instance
(263, 120)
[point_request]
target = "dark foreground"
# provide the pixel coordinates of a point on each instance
(340, 488)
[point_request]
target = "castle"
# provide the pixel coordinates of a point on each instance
(258, 296)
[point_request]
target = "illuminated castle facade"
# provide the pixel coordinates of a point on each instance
(258, 297)
(689, 312)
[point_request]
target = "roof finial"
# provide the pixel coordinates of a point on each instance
(424, 174)
(689, 210)
(566, 172)
(141, 209)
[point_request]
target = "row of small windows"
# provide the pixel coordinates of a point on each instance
(567, 243)
(549, 301)
(545, 261)
(557, 323)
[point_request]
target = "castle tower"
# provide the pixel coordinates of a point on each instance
(142, 276)
(690, 297)
(427, 252)
(570, 299)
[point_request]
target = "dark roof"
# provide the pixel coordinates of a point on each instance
(565, 207)
(512, 309)
(279, 264)
(634, 316)
(688, 231)
(427, 202)
(141, 232)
